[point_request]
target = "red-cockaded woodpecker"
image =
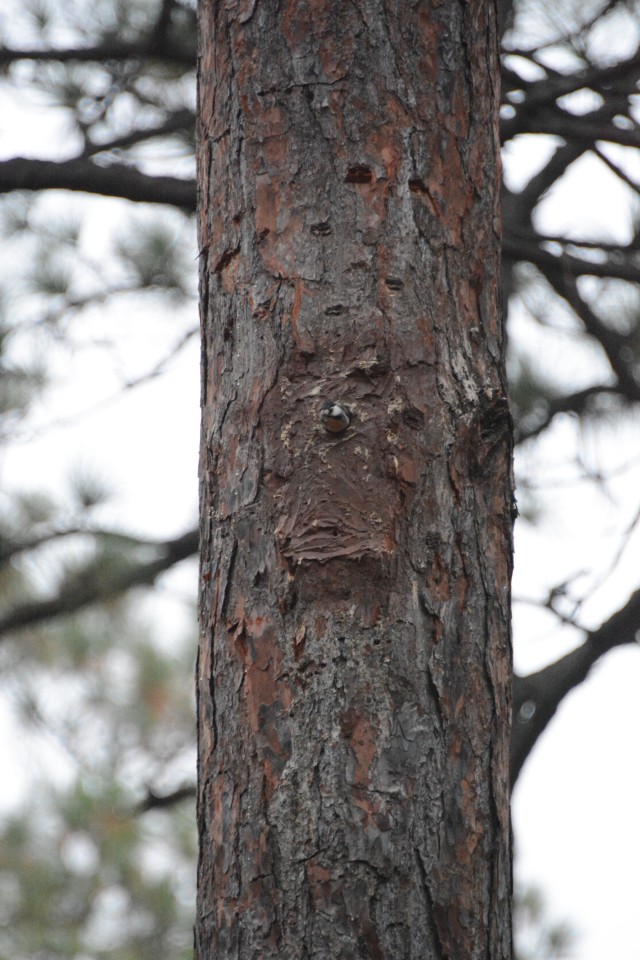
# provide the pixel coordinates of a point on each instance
(335, 417)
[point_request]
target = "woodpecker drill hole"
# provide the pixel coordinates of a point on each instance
(359, 173)
(416, 185)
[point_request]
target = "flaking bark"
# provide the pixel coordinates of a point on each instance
(354, 668)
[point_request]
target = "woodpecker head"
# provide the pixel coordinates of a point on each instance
(335, 417)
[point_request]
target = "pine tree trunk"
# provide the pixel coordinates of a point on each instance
(354, 668)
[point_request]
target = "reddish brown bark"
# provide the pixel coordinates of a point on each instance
(354, 668)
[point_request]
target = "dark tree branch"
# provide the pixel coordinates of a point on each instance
(518, 207)
(505, 16)
(546, 91)
(13, 548)
(537, 696)
(613, 343)
(156, 48)
(570, 37)
(101, 587)
(154, 801)
(577, 403)
(619, 172)
(620, 251)
(586, 129)
(163, 22)
(179, 122)
(115, 180)
(518, 247)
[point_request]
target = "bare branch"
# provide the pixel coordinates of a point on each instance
(613, 343)
(163, 22)
(156, 48)
(537, 696)
(518, 207)
(102, 587)
(594, 77)
(114, 180)
(179, 122)
(577, 403)
(154, 801)
(517, 247)
(585, 129)
(615, 168)
(13, 548)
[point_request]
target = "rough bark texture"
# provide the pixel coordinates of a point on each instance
(354, 669)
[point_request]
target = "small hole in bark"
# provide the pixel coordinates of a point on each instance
(394, 283)
(320, 229)
(359, 174)
(335, 310)
(412, 417)
(376, 641)
(416, 185)
(361, 376)
(225, 259)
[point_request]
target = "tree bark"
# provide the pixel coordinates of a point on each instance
(355, 668)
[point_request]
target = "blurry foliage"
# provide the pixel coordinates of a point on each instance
(105, 712)
(83, 873)
(537, 936)
(88, 488)
(155, 254)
